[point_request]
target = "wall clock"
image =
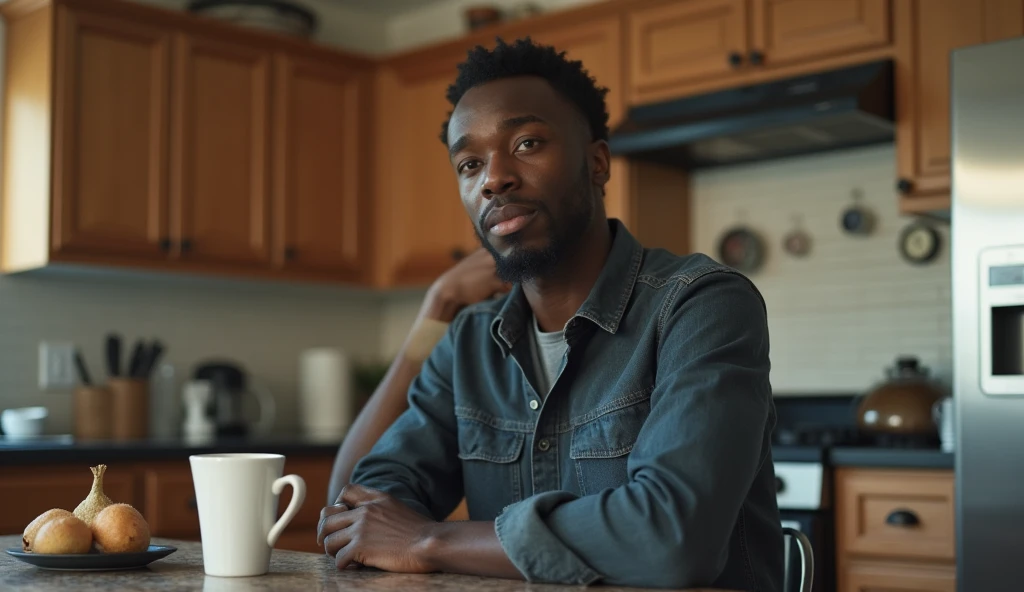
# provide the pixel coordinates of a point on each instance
(919, 243)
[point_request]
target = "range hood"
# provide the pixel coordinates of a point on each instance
(840, 108)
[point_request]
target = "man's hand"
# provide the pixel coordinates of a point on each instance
(371, 528)
(471, 280)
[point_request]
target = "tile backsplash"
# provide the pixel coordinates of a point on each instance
(260, 325)
(841, 314)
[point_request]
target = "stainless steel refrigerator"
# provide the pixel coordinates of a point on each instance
(987, 242)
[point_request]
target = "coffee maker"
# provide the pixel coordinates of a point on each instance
(231, 387)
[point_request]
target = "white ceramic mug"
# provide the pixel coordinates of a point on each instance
(237, 495)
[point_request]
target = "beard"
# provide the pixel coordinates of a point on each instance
(523, 264)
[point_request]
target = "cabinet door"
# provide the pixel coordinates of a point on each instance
(421, 216)
(27, 492)
(926, 34)
(110, 131)
(320, 161)
(220, 145)
(897, 577)
(598, 45)
(679, 43)
(1004, 19)
(170, 501)
(788, 31)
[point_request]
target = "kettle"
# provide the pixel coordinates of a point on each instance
(231, 387)
(903, 403)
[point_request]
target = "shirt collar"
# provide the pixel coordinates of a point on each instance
(605, 304)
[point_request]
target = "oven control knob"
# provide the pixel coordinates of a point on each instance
(780, 485)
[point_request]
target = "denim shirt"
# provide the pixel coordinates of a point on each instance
(649, 461)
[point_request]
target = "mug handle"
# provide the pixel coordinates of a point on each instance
(298, 496)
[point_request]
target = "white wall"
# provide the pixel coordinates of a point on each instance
(444, 20)
(841, 315)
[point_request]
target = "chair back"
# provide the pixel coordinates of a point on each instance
(806, 556)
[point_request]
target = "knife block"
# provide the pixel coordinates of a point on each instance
(130, 408)
(93, 412)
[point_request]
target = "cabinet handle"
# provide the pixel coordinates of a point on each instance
(735, 59)
(192, 504)
(458, 254)
(756, 58)
(290, 253)
(186, 245)
(904, 186)
(165, 244)
(902, 518)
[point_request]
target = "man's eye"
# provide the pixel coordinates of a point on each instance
(528, 144)
(469, 165)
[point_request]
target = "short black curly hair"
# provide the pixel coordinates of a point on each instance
(526, 58)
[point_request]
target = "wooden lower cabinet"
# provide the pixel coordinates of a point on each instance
(26, 492)
(895, 530)
(162, 491)
(894, 577)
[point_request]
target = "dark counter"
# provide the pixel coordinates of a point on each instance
(56, 450)
(902, 458)
(781, 453)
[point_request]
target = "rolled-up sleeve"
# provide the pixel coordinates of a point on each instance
(690, 469)
(416, 459)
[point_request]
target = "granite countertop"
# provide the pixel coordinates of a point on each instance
(901, 458)
(289, 570)
(64, 449)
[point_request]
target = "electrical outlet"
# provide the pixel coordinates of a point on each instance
(56, 366)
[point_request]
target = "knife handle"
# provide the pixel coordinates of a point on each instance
(113, 355)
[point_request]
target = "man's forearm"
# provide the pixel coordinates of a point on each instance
(383, 408)
(389, 399)
(470, 548)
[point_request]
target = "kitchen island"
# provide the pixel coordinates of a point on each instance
(289, 570)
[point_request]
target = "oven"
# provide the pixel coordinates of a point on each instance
(803, 506)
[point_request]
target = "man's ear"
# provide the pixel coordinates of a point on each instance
(600, 163)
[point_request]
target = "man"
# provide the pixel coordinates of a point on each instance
(609, 419)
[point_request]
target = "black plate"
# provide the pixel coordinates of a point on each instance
(93, 561)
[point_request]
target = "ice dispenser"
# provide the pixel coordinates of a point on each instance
(1002, 321)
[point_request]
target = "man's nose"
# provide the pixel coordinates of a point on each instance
(501, 178)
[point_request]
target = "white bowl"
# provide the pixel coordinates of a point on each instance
(23, 422)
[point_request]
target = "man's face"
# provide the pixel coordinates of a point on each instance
(521, 153)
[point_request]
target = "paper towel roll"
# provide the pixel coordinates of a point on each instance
(326, 406)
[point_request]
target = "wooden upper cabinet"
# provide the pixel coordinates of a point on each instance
(321, 158)
(423, 224)
(673, 43)
(220, 151)
(788, 31)
(685, 48)
(110, 129)
(926, 33)
(1004, 19)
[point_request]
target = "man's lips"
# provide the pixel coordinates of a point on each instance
(507, 219)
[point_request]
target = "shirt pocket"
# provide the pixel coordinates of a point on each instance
(490, 467)
(600, 447)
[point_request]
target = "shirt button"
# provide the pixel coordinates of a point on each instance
(543, 445)
(534, 404)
